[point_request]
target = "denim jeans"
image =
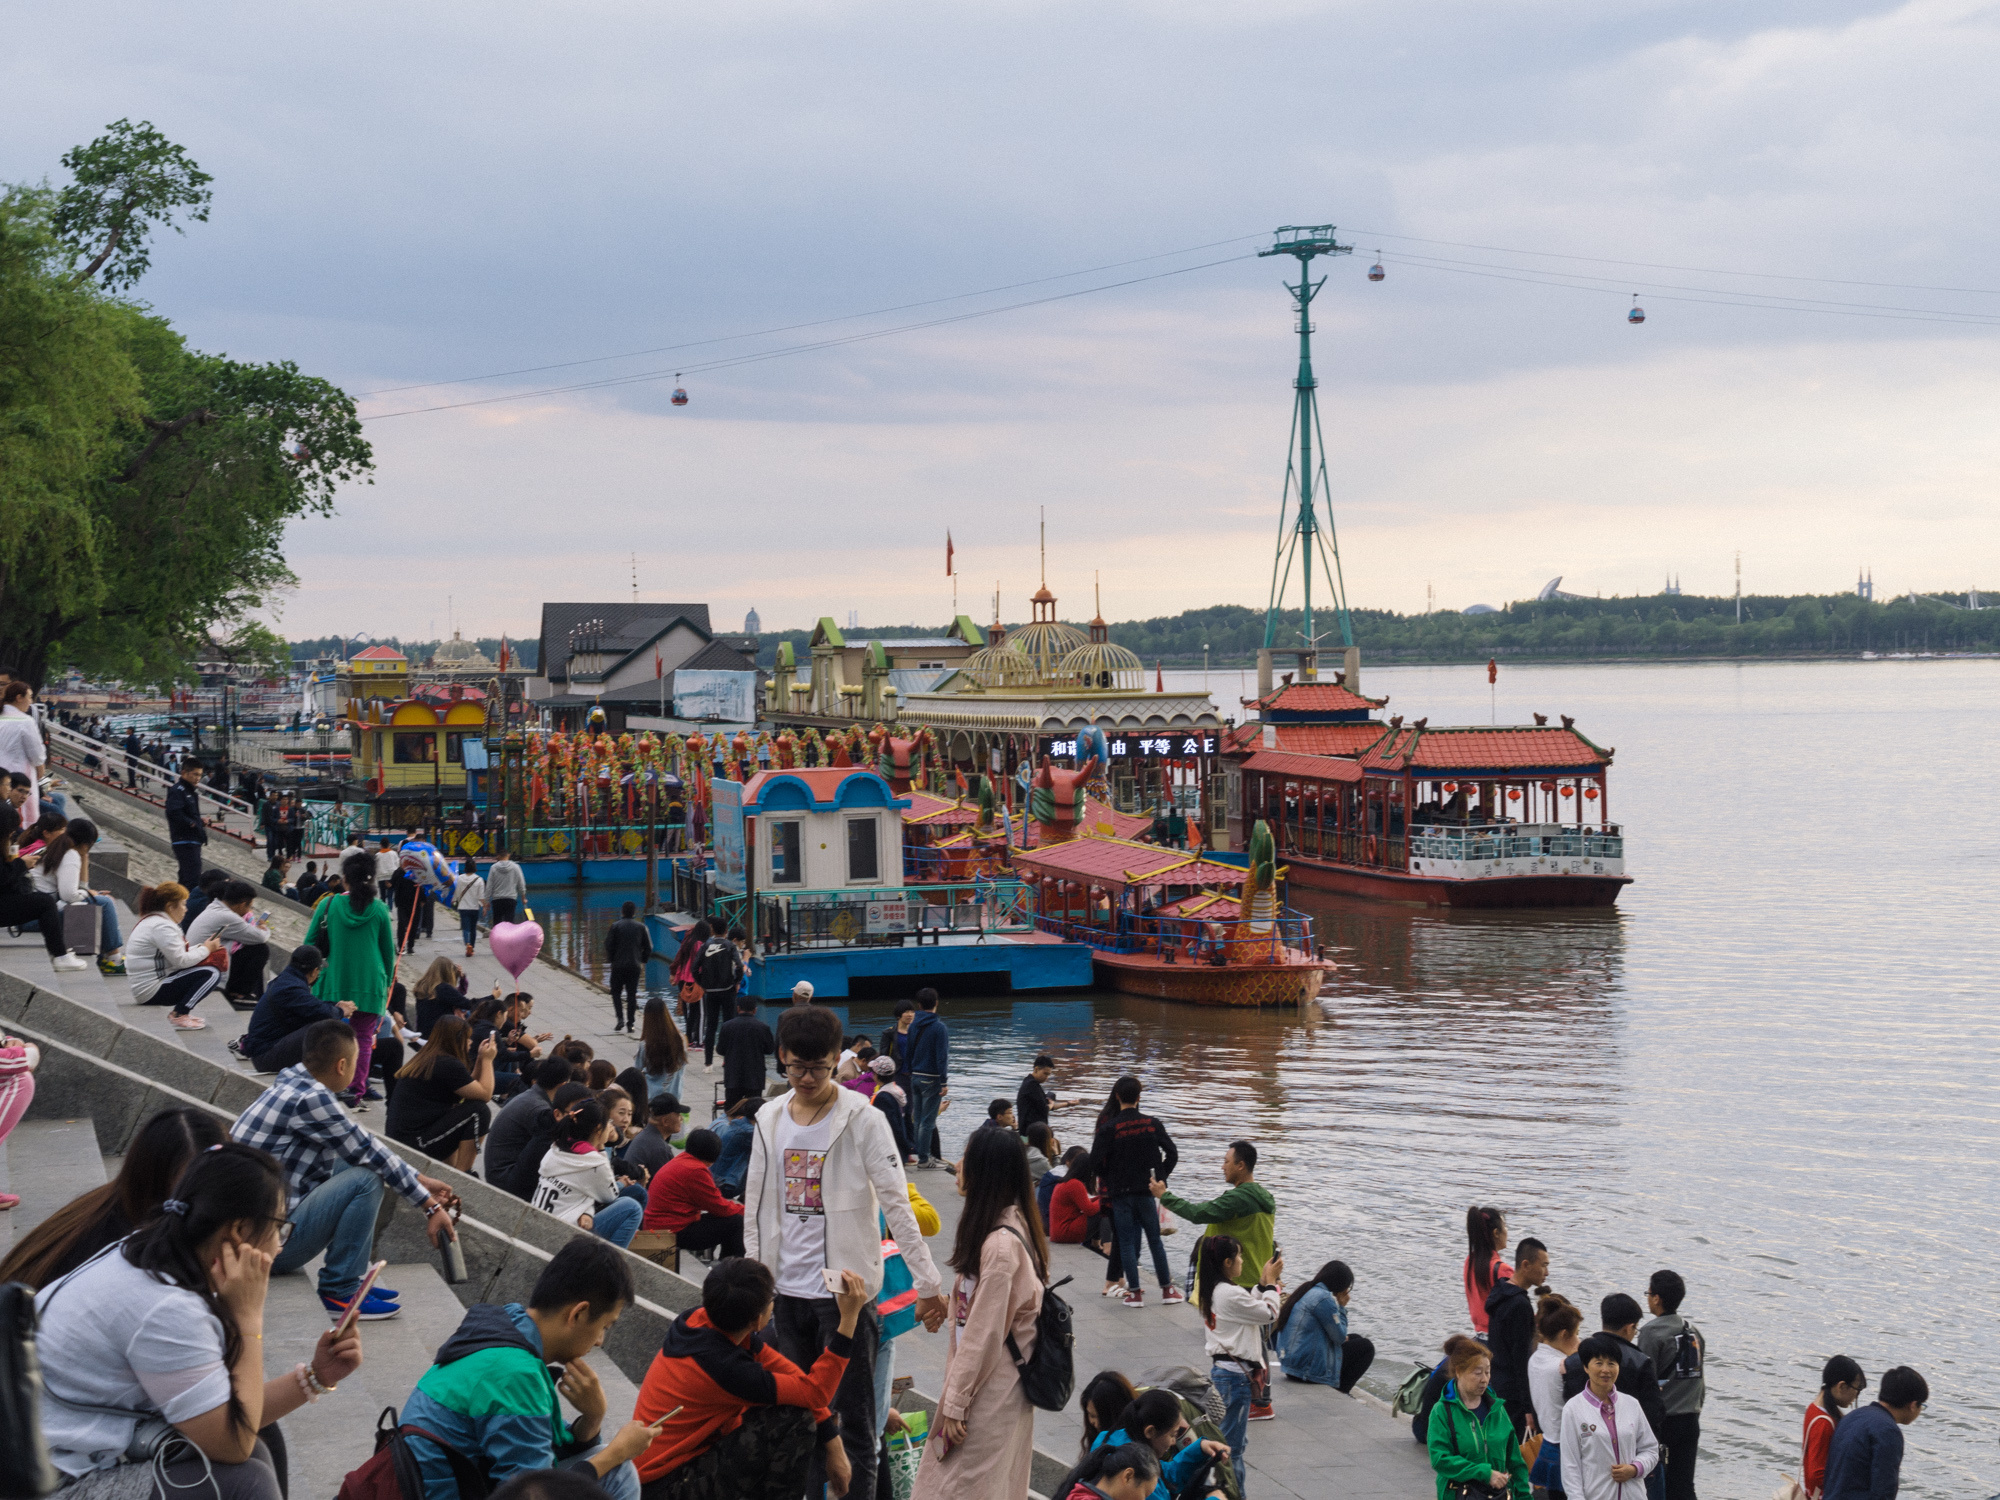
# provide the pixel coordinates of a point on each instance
(468, 927)
(926, 1092)
(338, 1217)
(1233, 1386)
(109, 939)
(618, 1220)
(1134, 1214)
(622, 1483)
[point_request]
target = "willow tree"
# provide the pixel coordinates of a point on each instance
(144, 486)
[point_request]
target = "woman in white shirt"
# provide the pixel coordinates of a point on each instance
(163, 967)
(64, 867)
(228, 917)
(576, 1184)
(1236, 1320)
(1556, 1322)
(165, 1329)
(21, 747)
(1608, 1447)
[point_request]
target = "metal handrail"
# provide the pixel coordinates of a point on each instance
(75, 746)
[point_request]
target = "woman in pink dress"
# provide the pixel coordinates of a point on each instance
(982, 1442)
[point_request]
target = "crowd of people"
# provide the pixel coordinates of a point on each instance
(795, 1207)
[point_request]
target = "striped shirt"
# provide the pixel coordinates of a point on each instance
(298, 1120)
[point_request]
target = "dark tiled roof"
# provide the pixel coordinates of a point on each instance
(627, 627)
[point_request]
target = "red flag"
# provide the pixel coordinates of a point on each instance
(1159, 677)
(947, 554)
(505, 655)
(659, 667)
(1492, 670)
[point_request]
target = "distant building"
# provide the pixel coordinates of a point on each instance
(751, 624)
(1673, 587)
(622, 658)
(1864, 584)
(1553, 590)
(1479, 609)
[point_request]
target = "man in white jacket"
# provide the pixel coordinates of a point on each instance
(823, 1167)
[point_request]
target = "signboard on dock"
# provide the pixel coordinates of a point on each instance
(891, 915)
(725, 832)
(1152, 745)
(728, 697)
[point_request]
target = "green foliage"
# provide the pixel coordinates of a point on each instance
(144, 486)
(121, 185)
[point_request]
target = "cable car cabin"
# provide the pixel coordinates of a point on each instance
(1375, 272)
(680, 396)
(1636, 315)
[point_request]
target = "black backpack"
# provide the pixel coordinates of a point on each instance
(1686, 1361)
(717, 969)
(1049, 1376)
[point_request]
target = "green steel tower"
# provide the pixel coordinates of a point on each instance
(1301, 535)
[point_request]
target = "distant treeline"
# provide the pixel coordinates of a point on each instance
(525, 653)
(1655, 625)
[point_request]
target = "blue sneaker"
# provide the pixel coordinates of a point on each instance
(373, 1310)
(387, 1294)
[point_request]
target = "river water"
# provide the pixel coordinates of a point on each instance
(1771, 1068)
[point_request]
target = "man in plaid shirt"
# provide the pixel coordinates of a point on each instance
(334, 1172)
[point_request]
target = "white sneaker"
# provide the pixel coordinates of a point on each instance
(187, 1023)
(69, 963)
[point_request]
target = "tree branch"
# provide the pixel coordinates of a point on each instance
(162, 432)
(102, 256)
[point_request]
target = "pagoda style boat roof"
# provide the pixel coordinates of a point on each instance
(1118, 864)
(1313, 703)
(1307, 739)
(1483, 750)
(1210, 906)
(934, 811)
(1310, 767)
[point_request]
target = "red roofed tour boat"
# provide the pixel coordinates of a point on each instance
(1474, 816)
(1169, 925)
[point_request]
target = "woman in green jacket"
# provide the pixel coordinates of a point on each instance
(1471, 1436)
(356, 933)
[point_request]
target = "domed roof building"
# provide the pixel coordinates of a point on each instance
(1102, 665)
(1000, 663)
(1045, 640)
(459, 657)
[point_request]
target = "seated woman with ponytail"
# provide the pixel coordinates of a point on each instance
(152, 1352)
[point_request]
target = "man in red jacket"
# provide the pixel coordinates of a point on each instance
(683, 1197)
(737, 1420)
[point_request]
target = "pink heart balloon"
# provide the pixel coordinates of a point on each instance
(515, 944)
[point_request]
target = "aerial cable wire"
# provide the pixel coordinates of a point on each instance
(788, 351)
(880, 312)
(1900, 286)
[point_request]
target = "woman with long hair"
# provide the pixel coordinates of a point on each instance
(440, 1105)
(1485, 1238)
(1556, 1322)
(64, 872)
(358, 937)
(681, 971)
(1126, 1473)
(1158, 1419)
(575, 1182)
(1840, 1386)
(1235, 1318)
(982, 1441)
(20, 903)
(1312, 1336)
(439, 992)
(159, 1152)
(662, 1054)
(168, 1326)
(1103, 1404)
(164, 968)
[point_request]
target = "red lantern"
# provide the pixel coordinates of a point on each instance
(1569, 791)
(1513, 794)
(1590, 793)
(1450, 787)
(1548, 786)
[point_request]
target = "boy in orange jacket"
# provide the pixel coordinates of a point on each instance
(741, 1420)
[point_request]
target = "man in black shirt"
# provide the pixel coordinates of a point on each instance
(1636, 1377)
(185, 830)
(744, 1042)
(627, 946)
(1131, 1150)
(1031, 1102)
(515, 1124)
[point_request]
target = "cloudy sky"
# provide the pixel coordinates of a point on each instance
(431, 193)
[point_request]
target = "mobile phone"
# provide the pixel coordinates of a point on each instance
(832, 1279)
(347, 1319)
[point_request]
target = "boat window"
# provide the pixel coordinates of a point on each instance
(785, 866)
(862, 860)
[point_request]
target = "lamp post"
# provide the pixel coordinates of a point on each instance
(1204, 666)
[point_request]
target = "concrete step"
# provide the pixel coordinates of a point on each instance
(47, 1162)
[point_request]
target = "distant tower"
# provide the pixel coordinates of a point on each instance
(751, 624)
(1301, 535)
(1864, 584)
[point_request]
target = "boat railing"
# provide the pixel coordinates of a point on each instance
(1190, 939)
(891, 916)
(1483, 841)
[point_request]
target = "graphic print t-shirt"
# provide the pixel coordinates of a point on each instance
(802, 1239)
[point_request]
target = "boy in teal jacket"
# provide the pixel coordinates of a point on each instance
(490, 1394)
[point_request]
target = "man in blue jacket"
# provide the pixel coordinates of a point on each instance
(185, 830)
(929, 1052)
(1865, 1459)
(277, 1034)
